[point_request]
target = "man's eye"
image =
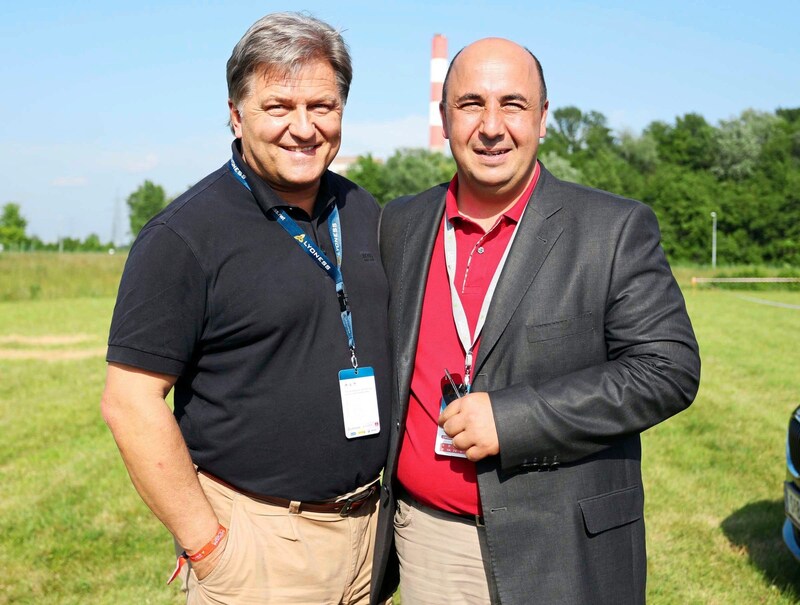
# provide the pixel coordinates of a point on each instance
(277, 110)
(321, 109)
(471, 106)
(513, 107)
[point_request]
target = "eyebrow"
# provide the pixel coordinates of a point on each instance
(474, 96)
(514, 97)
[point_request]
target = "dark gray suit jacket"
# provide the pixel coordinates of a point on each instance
(587, 344)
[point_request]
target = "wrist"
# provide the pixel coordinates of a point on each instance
(201, 552)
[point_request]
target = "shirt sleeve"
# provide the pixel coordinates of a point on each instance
(160, 311)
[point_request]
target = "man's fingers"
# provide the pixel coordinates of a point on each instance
(448, 412)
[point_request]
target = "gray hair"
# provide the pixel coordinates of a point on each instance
(283, 43)
(542, 85)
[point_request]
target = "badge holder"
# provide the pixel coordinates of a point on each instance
(450, 392)
(359, 402)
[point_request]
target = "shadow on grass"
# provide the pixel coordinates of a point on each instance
(756, 528)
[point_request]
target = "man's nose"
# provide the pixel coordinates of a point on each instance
(492, 123)
(302, 125)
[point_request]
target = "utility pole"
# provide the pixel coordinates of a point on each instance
(713, 240)
(115, 221)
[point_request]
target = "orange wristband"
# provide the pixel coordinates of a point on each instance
(200, 554)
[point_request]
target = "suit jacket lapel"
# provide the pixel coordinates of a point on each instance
(419, 237)
(538, 232)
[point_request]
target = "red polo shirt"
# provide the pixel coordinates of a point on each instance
(444, 482)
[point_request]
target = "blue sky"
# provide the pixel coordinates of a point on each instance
(99, 96)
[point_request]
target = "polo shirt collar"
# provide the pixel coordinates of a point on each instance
(266, 197)
(513, 214)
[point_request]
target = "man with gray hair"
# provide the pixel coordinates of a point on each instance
(260, 297)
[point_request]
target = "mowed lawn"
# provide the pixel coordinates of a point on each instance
(73, 530)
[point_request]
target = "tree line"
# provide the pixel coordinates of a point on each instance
(14, 237)
(143, 204)
(746, 170)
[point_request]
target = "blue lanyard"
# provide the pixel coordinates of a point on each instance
(311, 249)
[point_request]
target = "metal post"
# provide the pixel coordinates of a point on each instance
(713, 240)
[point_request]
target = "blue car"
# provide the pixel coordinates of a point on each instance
(791, 487)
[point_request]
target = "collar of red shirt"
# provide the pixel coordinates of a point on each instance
(514, 213)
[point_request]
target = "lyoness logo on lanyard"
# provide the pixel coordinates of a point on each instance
(357, 385)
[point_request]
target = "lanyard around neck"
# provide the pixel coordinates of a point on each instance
(459, 315)
(318, 256)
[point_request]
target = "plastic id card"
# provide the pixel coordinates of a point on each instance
(359, 402)
(444, 443)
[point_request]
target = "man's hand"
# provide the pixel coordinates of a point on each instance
(470, 423)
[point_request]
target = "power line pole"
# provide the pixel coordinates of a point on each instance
(713, 240)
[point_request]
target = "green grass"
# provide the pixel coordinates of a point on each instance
(713, 475)
(48, 275)
(74, 531)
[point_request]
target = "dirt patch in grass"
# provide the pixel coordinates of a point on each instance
(52, 354)
(35, 347)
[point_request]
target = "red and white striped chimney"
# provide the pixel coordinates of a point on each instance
(438, 71)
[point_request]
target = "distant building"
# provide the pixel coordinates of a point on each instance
(341, 163)
(436, 141)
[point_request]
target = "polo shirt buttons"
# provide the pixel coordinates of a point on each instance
(480, 250)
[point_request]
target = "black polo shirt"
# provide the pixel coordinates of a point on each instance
(217, 293)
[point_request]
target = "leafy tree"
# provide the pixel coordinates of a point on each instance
(574, 132)
(144, 203)
(691, 142)
(413, 170)
(739, 143)
(561, 167)
(746, 169)
(407, 171)
(12, 226)
(92, 243)
(565, 136)
(641, 152)
(683, 200)
(371, 175)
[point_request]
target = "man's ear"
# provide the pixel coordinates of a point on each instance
(543, 122)
(443, 115)
(235, 119)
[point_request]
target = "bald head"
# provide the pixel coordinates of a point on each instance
(498, 49)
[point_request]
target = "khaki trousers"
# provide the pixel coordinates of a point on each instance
(274, 556)
(440, 557)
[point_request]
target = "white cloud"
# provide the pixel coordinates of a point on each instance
(132, 162)
(140, 164)
(69, 181)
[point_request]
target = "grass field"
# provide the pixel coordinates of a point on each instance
(73, 531)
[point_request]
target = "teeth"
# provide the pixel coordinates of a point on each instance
(302, 149)
(486, 152)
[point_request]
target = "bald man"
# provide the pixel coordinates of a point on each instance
(536, 332)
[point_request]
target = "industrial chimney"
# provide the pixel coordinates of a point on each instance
(438, 71)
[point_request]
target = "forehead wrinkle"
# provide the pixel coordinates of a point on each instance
(292, 97)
